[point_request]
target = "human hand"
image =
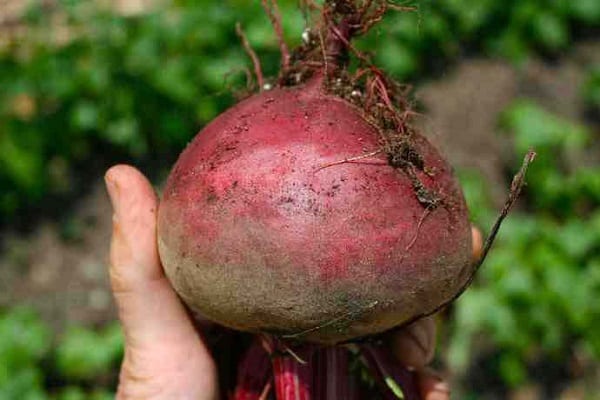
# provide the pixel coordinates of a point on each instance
(165, 355)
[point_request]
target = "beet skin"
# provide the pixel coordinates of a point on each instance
(256, 234)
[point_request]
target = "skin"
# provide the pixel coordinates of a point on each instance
(165, 355)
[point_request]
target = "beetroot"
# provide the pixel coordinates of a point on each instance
(313, 214)
(256, 234)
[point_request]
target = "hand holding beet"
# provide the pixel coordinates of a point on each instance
(165, 357)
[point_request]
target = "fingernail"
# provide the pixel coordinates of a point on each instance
(441, 387)
(112, 188)
(434, 374)
(438, 395)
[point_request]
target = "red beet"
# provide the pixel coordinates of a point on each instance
(258, 233)
(314, 212)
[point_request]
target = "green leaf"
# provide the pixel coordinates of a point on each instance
(550, 30)
(534, 127)
(394, 387)
(85, 116)
(395, 56)
(586, 10)
(24, 338)
(85, 354)
(22, 164)
(591, 86)
(512, 369)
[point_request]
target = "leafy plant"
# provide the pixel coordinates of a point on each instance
(537, 295)
(83, 354)
(591, 88)
(30, 369)
(24, 342)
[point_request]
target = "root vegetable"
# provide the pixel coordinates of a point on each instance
(314, 212)
(257, 235)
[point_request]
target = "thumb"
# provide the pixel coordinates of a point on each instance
(164, 354)
(150, 312)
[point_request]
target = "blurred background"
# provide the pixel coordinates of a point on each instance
(88, 83)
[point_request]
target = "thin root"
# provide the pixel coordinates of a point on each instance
(373, 19)
(311, 5)
(346, 42)
(347, 316)
(324, 54)
(363, 10)
(421, 220)
(271, 345)
(255, 60)
(249, 78)
(398, 7)
(351, 159)
(293, 354)
(515, 190)
(275, 17)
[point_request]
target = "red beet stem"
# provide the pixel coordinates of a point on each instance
(395, 381)
(293, 379)
(254, 372)
(331, 376)
(322, 374)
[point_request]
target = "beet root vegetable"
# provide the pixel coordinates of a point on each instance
(259, 233)
(313, 212)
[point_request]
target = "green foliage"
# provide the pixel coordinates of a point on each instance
(407, 44)
(30, 368)
(591, 88)
(84, 354)
(138, 87)
(539, 290)
(561, 186)
(24, 342)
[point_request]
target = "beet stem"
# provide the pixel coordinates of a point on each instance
(292, 379)
(254, 371)
(332, 376)
(324, 376)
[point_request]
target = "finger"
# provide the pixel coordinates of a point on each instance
(432, 386)
(133, 253)
(414, 345)
(163, 351)
(477, 240)
(147, 303)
